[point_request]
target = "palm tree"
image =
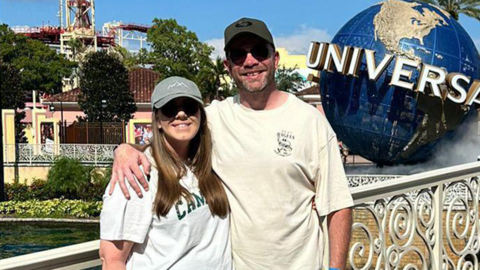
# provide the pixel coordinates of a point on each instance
(471, 8)
(220, 74)
(212, 77)
(76, 46)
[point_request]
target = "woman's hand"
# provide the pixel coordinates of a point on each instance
(125, 165)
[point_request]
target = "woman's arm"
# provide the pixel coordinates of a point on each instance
(114, 254)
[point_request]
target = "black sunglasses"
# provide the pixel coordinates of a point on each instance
(260, 52)
(188, 106)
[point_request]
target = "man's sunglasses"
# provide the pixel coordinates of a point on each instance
(260, 52)
(188, 106)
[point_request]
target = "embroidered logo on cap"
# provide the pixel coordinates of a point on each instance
(177, 84)
(243, 24)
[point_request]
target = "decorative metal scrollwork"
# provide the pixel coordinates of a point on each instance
(401, 231)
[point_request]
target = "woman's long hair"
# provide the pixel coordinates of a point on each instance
(171, 169)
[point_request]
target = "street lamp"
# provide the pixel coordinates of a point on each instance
(104, 105)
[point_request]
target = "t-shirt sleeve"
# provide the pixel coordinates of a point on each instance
(332, 191)
(123, 219)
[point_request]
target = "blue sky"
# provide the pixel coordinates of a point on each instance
(293, 23)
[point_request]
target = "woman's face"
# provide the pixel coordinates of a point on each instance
(180, 120)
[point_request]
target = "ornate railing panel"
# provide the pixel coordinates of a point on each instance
(424, 221)
(34, 154)
(367, 179)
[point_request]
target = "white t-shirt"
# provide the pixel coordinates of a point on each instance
(189, 237)
(273, 162)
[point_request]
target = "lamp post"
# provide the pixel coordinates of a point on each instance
(104, 105)
(62, 131)
(51, 108)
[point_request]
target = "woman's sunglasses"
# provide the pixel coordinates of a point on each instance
(188, 106)
(260, 52)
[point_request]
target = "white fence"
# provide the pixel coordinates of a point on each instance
(423, 221)
(37, 154)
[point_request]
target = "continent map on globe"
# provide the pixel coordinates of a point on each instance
(382, 121)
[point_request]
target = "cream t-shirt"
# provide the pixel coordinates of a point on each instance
(273, 162)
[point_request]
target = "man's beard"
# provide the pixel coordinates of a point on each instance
(245, 87)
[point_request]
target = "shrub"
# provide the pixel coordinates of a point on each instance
(22, 192)
(56, 208)
(68, 177)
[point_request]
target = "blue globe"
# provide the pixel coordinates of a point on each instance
(389, 124)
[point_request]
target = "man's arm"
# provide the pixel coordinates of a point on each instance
(339, 231)
(125, 165)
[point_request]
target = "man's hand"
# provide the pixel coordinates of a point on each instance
(125, 165)
(339, 232)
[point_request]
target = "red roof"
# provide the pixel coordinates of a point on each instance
(314, 90)
(69, 96)
(142, 83)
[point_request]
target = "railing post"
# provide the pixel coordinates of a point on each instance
(96, 155)
(437, 256)
(30, 155)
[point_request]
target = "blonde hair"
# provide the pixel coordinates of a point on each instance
(171, 169)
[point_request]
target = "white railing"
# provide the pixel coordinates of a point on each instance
(34, 154)
(80, 256)
(423, 221)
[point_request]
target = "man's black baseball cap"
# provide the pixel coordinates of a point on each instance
(247, 26)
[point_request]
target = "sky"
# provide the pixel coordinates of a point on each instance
(294, 24)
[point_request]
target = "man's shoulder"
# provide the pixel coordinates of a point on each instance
(216, 105)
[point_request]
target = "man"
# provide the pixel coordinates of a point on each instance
(274, 153)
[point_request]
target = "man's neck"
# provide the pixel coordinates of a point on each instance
(263, 100)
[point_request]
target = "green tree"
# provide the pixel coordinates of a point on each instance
(289, 80)
(13, 97)
(42, 68)
(176, 50)
(104, 77)
(471, 8)
(212, 78)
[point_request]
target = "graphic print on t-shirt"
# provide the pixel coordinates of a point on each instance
(284, 139)
(184, 208)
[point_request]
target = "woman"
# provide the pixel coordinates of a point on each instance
(182, 220)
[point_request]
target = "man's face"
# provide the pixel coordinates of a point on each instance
(252, 63)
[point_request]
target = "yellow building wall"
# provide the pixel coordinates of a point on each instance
(8, 138)
(25, 173)
(298, 61)
(8, 125)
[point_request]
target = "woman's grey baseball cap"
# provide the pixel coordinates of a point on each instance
(174, 87)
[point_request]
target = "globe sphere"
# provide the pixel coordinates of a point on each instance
(388, 124)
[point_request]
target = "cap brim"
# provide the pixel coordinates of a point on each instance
(164, 101)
